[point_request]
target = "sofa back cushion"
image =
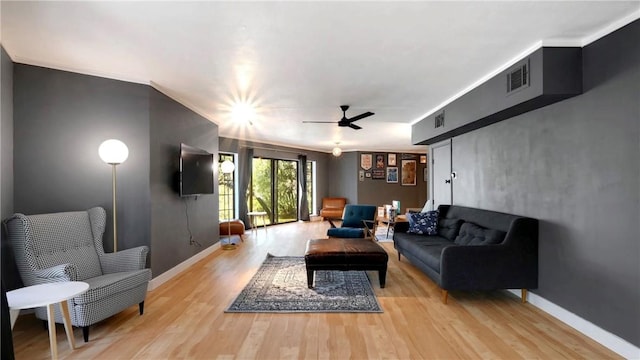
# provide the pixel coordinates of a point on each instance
(423, 223)
(472, 234)
(449, 228)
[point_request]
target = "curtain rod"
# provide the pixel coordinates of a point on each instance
(276, 150)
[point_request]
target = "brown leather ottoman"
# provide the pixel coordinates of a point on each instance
(345, 255)
(236, 226)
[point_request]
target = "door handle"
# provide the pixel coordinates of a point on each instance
(447, 181)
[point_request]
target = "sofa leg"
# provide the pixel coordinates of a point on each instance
(398, 255)
(382, 274)
(524, 296)
(141, 307)
(445, 295)
(310, 279)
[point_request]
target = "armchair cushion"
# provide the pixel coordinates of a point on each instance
(101, 287)
(346, 233)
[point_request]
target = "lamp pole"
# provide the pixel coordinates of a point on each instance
(113, 152)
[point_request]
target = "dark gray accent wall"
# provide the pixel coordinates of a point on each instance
(379, 192)
(9, 271)
(171, 125)
(343, 176)
(288, 153)
(60, 119)
(574, 166)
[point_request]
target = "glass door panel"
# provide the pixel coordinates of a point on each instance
(286, 191)
(260, 198)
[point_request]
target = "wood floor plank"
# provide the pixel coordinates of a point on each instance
(184, 319)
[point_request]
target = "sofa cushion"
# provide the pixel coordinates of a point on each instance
(472, 234)
(449, 228)
(423, 223)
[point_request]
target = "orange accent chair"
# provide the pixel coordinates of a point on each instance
(333, 207)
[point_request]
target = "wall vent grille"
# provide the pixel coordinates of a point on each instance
(439, 120)
(518, 78)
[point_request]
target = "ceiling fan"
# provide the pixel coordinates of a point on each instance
(344, 122)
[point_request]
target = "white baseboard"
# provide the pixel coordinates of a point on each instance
(176, 270)
(598, 334)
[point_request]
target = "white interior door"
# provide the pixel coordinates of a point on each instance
(441, 186)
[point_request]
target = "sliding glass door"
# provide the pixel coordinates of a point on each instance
(274, 189)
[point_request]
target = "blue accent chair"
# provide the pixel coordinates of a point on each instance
(358, 221)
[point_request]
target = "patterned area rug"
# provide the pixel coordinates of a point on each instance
(280, 285)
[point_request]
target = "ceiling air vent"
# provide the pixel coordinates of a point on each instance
(439, 119)
(518, 78)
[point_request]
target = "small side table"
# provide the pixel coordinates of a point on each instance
(252, 217)
(47, 295)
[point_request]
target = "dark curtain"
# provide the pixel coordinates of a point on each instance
(7, 338)
(303, 209)
(245, 163)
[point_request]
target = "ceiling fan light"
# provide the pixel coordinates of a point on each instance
(336, 151)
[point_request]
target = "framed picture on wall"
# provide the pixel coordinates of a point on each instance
(392, 174)
(367, 175)
(426, 174)
(391, 160)
(361, 175)
(408, 172)
(365, 161)
(377, 174)
(379, 161)
(423, 159)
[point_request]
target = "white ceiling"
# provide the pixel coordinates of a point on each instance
(295, 61)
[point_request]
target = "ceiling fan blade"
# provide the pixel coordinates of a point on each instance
(355, 127)
(361, 116)
(320, 122)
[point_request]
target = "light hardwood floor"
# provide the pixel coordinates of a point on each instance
(184, 319)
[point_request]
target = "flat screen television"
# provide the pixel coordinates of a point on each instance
(196, 171)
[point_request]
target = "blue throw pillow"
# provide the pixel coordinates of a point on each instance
(424, 223)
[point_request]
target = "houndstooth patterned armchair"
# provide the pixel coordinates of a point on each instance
(68, 247)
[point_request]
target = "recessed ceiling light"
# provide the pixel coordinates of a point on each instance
(243, 113)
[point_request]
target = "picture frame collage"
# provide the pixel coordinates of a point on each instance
(393, 168)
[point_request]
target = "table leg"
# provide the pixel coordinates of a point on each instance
(13, 315)
(264, 224)
(52, 332)
(64, 307)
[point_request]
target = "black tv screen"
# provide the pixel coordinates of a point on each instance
(196, 171)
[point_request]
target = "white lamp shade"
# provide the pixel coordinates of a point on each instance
(336, 151)
(227, 167)
(113, 151)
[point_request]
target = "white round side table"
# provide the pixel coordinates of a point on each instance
(47, 295)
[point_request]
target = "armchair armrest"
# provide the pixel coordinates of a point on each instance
(486, 267)
(331, 222)
(370, 228)
(126, 260)
(58, 273)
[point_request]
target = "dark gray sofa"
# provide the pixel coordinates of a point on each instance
(492, 251)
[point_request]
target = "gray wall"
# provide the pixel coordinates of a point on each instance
(60, 119)
(9, 272)
(574, 166)
(379, 192)
(171, 125)
(343, 176)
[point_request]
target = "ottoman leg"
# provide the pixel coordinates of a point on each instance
(310, 279)
(382, 274)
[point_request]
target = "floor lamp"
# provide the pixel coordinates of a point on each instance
(113, 152)
(227, 168)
